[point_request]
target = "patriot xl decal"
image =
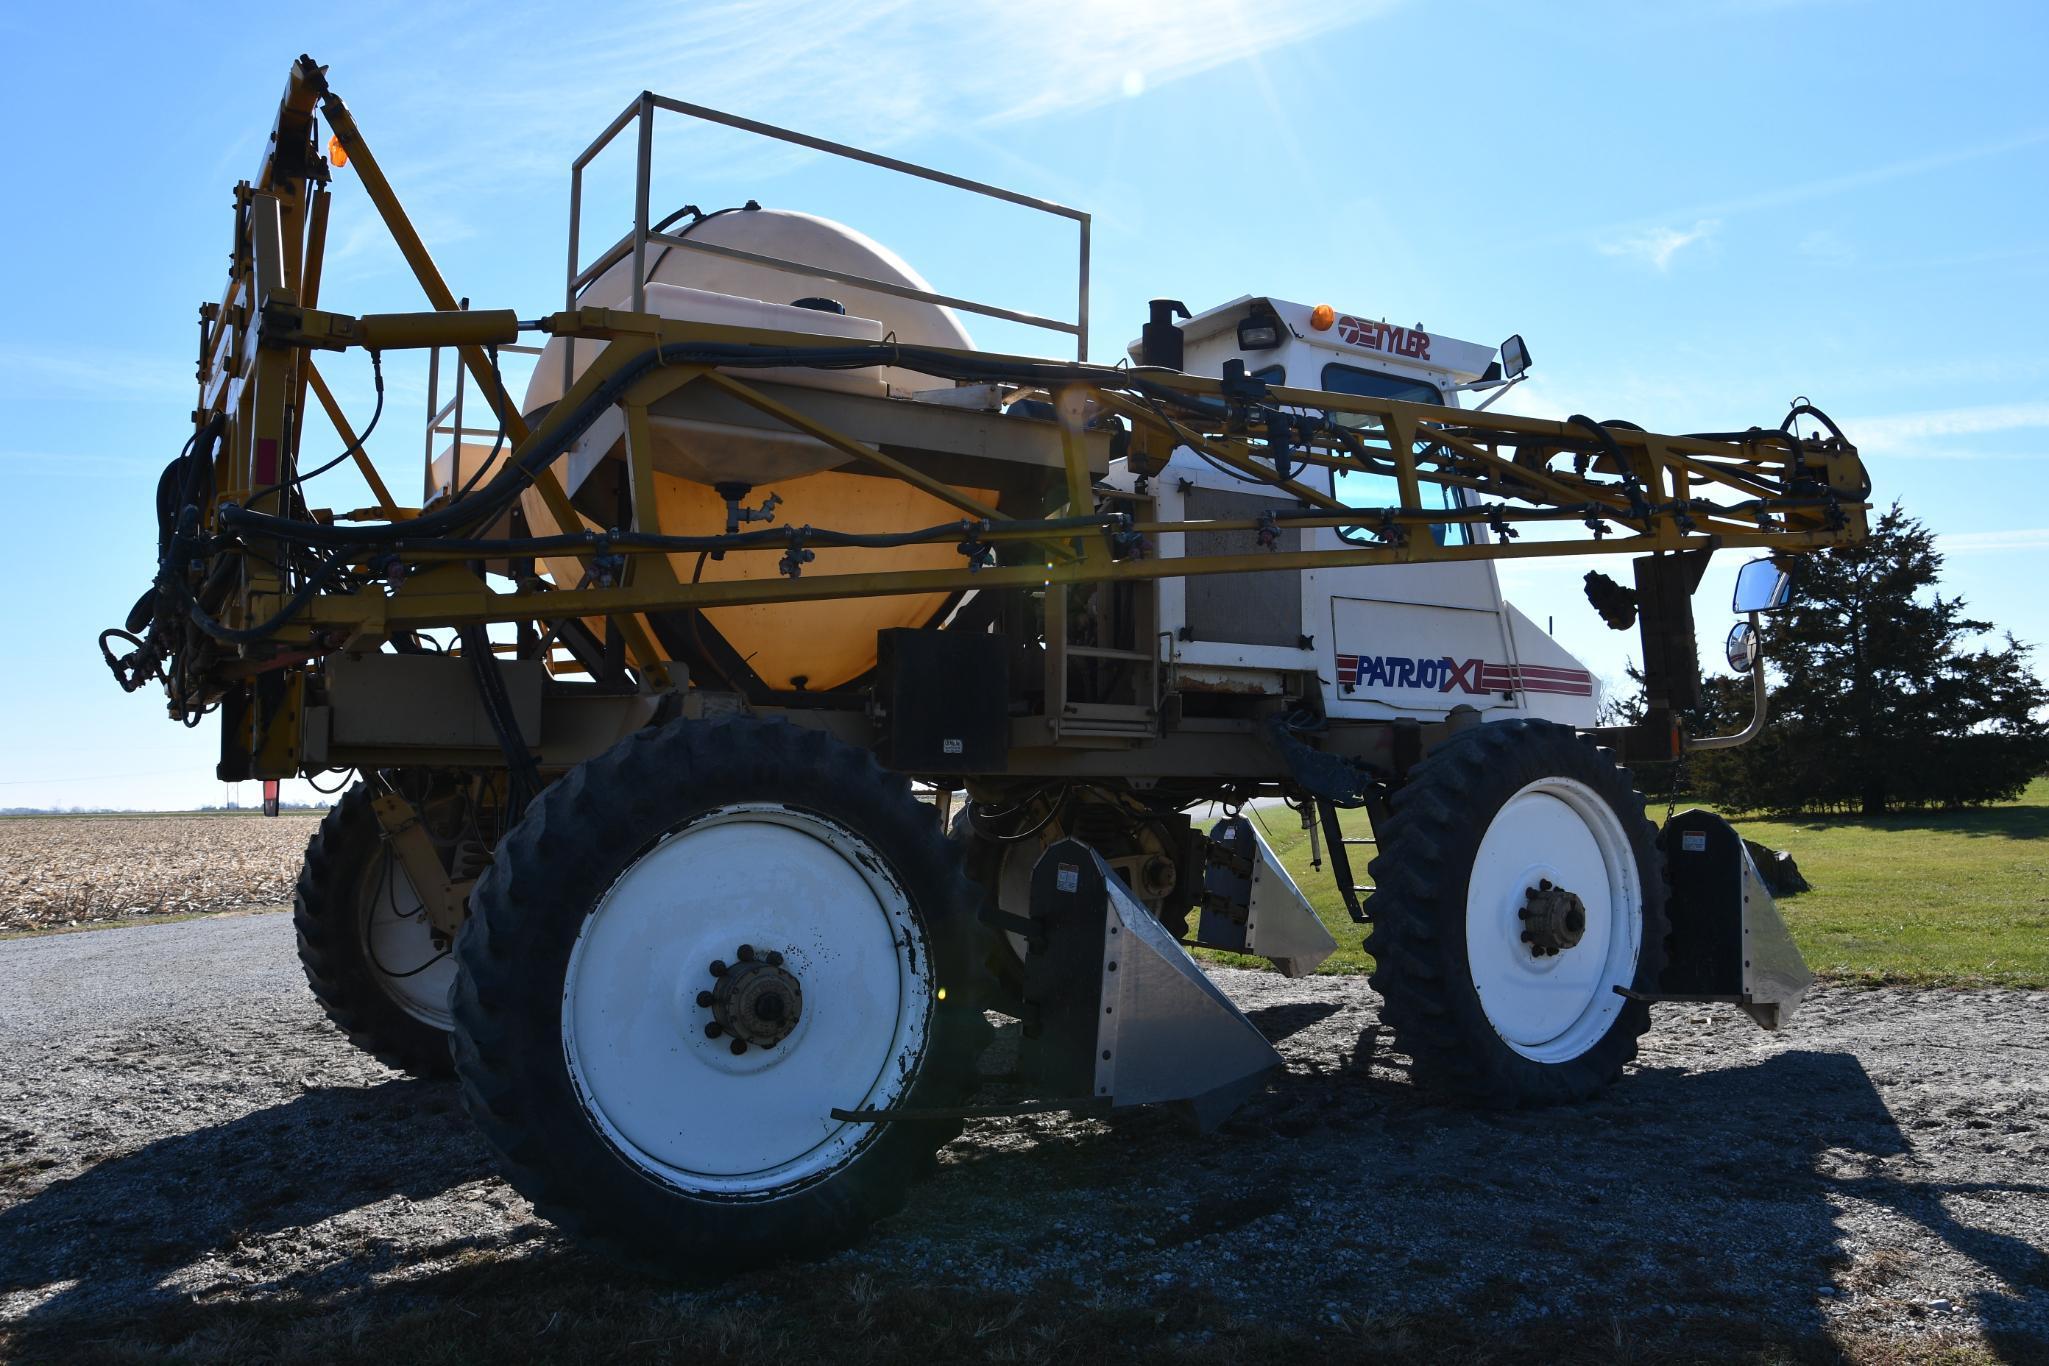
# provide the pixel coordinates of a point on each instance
(1445, 674)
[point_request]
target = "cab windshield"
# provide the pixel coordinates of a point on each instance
(1380, 490)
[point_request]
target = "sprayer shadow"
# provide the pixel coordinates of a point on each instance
(114, 1234)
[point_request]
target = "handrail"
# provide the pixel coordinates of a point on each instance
(635, 244)
(454, 404)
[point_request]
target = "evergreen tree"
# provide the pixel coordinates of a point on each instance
(1880, 701)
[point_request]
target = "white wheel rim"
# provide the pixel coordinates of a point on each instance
(678, 1103)
(398, 941)
(1554, 1008)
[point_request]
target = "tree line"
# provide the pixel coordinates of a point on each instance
(1885, 695)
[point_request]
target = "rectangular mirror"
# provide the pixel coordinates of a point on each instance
(1761, 586)
(1515, 357)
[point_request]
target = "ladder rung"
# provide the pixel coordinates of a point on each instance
(1349, 840)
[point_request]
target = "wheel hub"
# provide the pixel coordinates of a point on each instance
(1553, 919)
(754, 1000)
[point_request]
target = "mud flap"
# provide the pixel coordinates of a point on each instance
(1251, 905)
(1120, 1012)
(1728, 942)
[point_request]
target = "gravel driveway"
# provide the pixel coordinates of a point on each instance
(180, 1126)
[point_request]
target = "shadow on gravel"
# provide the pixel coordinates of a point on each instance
(1767, 1152)
(1681, 1198)
(120, 1228)
(1280, 1021)
(1691, 1214)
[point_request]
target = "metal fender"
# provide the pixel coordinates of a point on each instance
(1123, 1014)
(1268, 916)
(1728, 941)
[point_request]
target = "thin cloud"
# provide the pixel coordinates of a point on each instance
(1967, 542)
(1919, 434)
(1827, 247)
(878, 75)
(96, 372)
(1655, 247)
(1873, 175)
(1822, 187)
(28, 464)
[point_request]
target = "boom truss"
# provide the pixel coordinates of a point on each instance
(253, 585)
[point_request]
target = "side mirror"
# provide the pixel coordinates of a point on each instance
(1761, 586)
(1742, 647)
(1515, 357)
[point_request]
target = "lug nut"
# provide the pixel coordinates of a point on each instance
(746, 954)
(704, 998)
(774, 959)
(739, 1047)
(718, 967)
(712, 1029)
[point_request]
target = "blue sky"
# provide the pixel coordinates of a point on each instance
(1692, 212)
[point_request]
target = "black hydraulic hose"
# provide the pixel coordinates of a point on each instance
(523, 774)
(455, 461)
(249, 635)
(1638, 508)
(444, 526)
(171, 582)
(698, 217)
(495, 496)
(1804, 409)
(355, 445)
(602, 542)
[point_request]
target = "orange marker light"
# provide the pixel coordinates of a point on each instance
(1320, 317)
(339, 157)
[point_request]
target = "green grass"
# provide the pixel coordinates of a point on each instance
(1955, 898)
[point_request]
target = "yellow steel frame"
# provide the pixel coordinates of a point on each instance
(256, 365)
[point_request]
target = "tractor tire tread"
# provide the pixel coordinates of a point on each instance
(1418, 913)
(571, 843)
(324, 910)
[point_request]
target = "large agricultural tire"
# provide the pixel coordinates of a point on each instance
(604, 985)
(1495, 813)
(365, 943)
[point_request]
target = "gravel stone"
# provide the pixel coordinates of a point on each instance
(178, 1122)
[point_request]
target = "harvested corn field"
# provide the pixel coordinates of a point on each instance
(63, 871)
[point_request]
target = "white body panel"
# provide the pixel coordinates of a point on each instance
(1386, 640)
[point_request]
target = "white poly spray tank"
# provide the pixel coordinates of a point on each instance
(813, 645)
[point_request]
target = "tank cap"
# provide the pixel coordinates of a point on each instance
(1164, 311)
(1159, 341)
